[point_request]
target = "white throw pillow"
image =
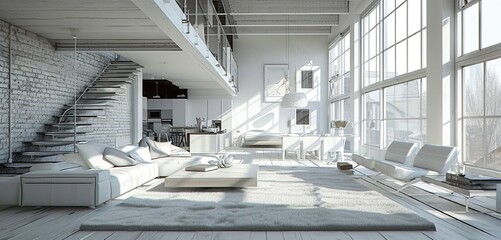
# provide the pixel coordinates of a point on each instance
(92, 153)
(118, 158)
(126, 148)
(164, 146)
(141, 154)
(76, 158)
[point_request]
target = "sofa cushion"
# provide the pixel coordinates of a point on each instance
(140, 154)
(60, 166)
(364, 161)
(76, 158)
(118, 158)
(401, 152)
(126, 148)
(401, 171)
(92, 153)
(169, 165)
(155, 150)
(124, 179)
(436, 158)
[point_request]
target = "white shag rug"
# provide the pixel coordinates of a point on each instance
(286, 199)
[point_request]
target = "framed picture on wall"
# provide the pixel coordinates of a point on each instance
(306, 79)
(302, 116)
(275, 82)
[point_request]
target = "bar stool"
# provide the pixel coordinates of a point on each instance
(178, 137)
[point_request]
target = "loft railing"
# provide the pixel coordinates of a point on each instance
(203, 17)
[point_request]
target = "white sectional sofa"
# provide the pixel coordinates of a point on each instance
(404, 162)
(71, 183)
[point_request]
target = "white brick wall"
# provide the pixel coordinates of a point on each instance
(43, 82)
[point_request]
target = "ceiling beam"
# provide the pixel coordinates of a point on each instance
(284, 25)
(116, 45)
(283, 13)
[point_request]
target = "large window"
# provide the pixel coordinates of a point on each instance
(478, 26)
(479, 83)
(393, 40)
(481, 118)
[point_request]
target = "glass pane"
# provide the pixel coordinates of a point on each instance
(389, 63)
(413, 98)
(401, 22)
(389, 31)
(372, 132)
(346, 62)
(346, 41)
(372, 116)
(423, 98)
(373, 71)
(493, 87)
(470, 27)
(459, 34)
(473, 142)
(423, 12)
(366, 74)
(388, 6)
(346, 83)
(493, 144)
(366, 48)
(398, 2)
(401, 58)
(424, 48)
(415, 52)
(389, 102)
(490, 22)
(473, 91)
(414, 16)
(372, 43)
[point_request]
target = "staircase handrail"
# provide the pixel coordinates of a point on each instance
(81, 95)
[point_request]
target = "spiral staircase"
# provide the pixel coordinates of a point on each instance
(70, 127)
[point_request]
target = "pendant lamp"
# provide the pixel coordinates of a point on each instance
(156, 96)
(291, 99)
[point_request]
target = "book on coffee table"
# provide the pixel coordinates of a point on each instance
(201, 168)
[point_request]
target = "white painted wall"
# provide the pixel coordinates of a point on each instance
(252, 53)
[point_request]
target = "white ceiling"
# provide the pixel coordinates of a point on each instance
(119, 25)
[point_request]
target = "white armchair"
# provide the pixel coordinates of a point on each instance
(332, 144)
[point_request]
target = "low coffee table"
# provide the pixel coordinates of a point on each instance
(239, 175)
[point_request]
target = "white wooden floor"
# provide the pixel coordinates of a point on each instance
(445, 210)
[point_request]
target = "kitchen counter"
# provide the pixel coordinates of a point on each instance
(208, 142)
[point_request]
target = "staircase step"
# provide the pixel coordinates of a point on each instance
(95, 97)
(100, 93)
(116, 75)
(52, 143)
(91, 105)
(44, 153)
(116, 79)
(83, 109)
(78, 116)
(96, 101)
(61, 134)
(121, 70)
(122, 63)
(67, 124)
(105, 87)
